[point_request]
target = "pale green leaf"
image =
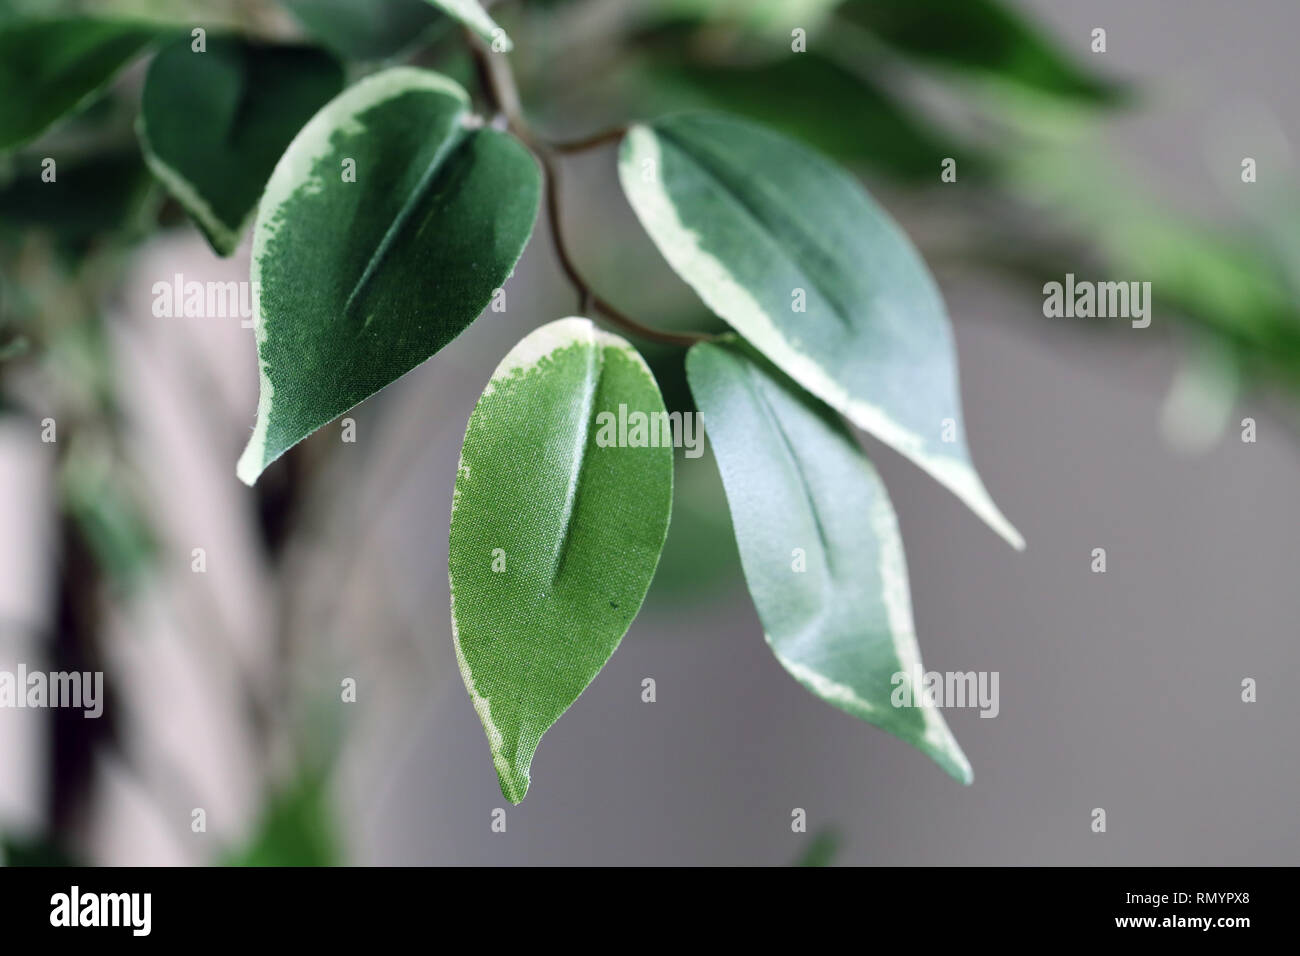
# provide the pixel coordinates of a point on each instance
(472, 14)
(556, 529)
(794, 254)
(356, 283)
(49, 68)
(819, 544)
(213, 124)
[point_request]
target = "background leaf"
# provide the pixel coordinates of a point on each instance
(90, 194)
(578, 526)
(841, 112)
(296, 829)
(796, 479)
(983, 36)
(52, 67)
(362, 281)
(472, 14)
(366, 29)
(214, 124)
(752, 221)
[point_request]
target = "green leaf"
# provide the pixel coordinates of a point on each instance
(213, 124)
(981, 36)
(366, 29)
(49, 68)
(776, 17)
(796, 479)
(556, 530)
(357, 283)
(759, 225)
(472, 14)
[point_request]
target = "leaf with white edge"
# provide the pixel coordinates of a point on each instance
(472, 14)
(796, 257)
(212, 125)
(560, 514)
(819, 544)
(49, 68)
(383, 233)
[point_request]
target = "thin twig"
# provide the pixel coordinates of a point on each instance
(591, 142)
(499, 85)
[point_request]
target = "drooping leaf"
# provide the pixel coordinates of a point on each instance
(800, 490)
(366, 29)
(49, 68)
(795, 255)
(981, 36)
(356, 283)
(472, 14)
(213, 124)
(556, 530)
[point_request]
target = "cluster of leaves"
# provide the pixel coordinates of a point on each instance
(387, 213)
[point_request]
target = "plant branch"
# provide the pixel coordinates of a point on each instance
(498, 84)
(591, 142)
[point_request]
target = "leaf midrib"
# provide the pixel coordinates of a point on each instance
(709, 167)
(755, 387)
(457, 136)
(596, 361)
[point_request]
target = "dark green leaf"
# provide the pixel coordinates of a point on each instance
(357, 283)
(89, 195)
(982, 36)
(51, 67)
(213, 124)
(366, 29)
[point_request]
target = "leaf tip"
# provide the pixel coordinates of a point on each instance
(249, 467)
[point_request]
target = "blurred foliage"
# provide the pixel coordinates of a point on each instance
(984, 37)
(108, 513)
(823, 849)
(27, 851)
(90, 196)
(296, 830)
(844, 113)
(369, 29)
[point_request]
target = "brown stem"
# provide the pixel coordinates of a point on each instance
(498, 83)
(591, 142)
